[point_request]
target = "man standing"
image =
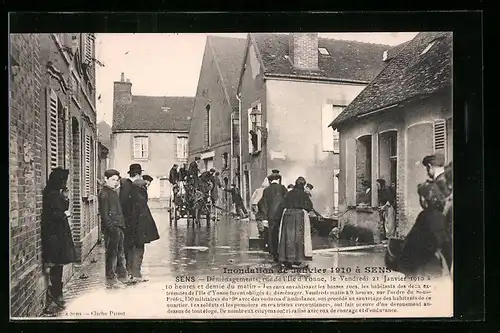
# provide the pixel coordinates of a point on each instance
(127, 200)
(272, 198)
(173, 176)
(434, 165)
(237, 201)
(113, 225)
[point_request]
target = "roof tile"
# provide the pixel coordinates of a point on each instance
(147, 113)
(410, 74)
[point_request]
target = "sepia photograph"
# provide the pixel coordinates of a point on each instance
(231, 175)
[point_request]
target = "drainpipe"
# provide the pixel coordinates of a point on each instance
(240, 122)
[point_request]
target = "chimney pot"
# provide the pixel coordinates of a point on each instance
(122, 77)
(128, 80)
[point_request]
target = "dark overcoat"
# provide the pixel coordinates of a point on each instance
(145, 226)
(272, 197)
(57, 241)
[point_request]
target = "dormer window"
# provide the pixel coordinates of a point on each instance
(428, 47)
(323, 51)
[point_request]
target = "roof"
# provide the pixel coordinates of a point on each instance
(104, 133)
(146, 113)
(348, 60)
(410, 74)
(394, 51)
(229, 53)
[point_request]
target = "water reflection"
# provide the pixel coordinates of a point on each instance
(224, 243)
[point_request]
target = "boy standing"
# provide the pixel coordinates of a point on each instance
(113, 225)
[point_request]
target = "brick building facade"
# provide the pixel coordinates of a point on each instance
(52, 123)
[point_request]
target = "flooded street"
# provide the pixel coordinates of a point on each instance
(186, 251)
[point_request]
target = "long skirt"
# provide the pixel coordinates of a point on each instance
(294, 245)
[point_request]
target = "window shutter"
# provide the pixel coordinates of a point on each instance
(53, 129)
(133, 147)
(250, 147)
(148, 150)
(440, 136)
(89, 41)
(87, 164)
(176, 147)
(336, 142)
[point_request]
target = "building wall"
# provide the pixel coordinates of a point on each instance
(252, 90)
(294, 118)
(210, 91)
(414, 124)
(162, 156)
(29, 167)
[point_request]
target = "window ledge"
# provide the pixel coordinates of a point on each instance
(256, 152)
(141, 159)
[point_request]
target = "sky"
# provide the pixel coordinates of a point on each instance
(169, 64)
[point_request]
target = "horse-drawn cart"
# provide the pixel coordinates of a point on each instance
(191, 202)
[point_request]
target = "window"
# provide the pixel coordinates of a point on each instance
(163, 187)
(52, 130)
(330, 137)
(255, 129)
(428, 47)
(141, 148)
(440, 136)
(87, 164)
(89, 49)
(364, 187)
(323, 51)
(181, 148)
(225, 162)
(208, 134)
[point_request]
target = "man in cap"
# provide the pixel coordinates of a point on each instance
(276, 173)
(173, 176)
(128, 197)
(113, 226)
(308, 189)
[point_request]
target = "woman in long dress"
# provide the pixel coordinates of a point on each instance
(294, 245)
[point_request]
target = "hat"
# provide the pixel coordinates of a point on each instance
(135, 168)
(275, 171)
(301, 181)
(147, 178)
(272, 177)
(290, 186)
(212, 170)
(434, 160)
(309, 186)
(110, 173)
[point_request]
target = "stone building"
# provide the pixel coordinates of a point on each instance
(290, 89)
(213, 135)
(52, 123)
(151, 131)
(404, 114)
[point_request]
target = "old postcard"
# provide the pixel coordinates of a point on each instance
(231, 176)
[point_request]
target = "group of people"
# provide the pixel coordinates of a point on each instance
(126, 222)
(207, 182)
(282, 215)
(428, 247)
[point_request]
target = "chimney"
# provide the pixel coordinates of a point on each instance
(303, 49)
(122, 92)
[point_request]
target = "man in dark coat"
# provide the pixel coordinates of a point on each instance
(237, 201)
(146, 230)
(272, 197)
(173, 176)
(183, 173)
(57, 242)
(434, 165)
(127, 197)
(113, 226)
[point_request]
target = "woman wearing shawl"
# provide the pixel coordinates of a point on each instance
(57, 242)
(294, 245)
